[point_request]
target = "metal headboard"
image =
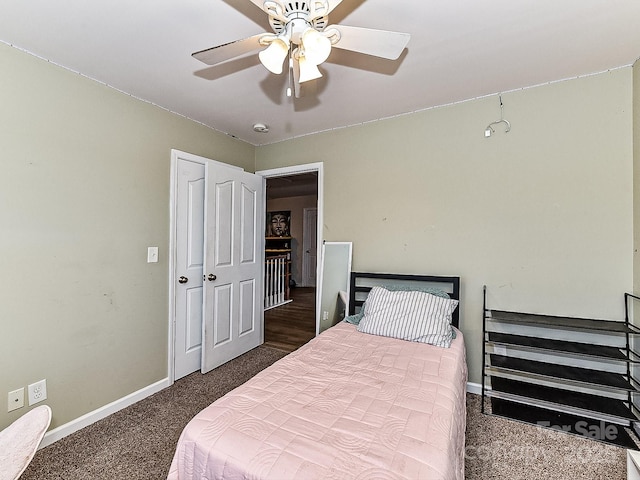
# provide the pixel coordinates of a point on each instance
(361, 284)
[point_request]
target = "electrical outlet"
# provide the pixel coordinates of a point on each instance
(37, 392)
(15, 400)
(325, 315)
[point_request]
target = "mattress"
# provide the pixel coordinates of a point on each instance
(347, 405)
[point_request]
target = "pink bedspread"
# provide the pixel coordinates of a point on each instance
(347, 405)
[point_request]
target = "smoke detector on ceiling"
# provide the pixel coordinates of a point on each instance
(261, 128)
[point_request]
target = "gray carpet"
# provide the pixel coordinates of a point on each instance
(504, 449)
(139, 441)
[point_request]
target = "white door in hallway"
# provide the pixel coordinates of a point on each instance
(234, 264)
(189, 258)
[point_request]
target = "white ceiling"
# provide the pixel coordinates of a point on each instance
(459, 49)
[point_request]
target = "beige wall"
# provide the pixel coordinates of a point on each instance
(296, 205)
(84, 190)
(542, 215)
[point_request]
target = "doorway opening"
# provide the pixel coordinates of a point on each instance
(297, 194)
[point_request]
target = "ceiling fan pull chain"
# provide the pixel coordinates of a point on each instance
(289, 90)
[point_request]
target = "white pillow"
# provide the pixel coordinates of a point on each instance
(413, 316)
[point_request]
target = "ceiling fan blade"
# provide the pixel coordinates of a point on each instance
(258, 3)
(333, 4)
(227, 51)
(380, 43)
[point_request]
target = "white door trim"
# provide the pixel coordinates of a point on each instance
(296, 170)
(175, 155)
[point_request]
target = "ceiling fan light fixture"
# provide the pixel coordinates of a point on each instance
(316, 46)
(308, 70)
(301, 32)
(273, 56)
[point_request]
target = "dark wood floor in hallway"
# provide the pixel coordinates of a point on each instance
(292, 325)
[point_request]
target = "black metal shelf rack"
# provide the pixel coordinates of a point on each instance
(573, 374)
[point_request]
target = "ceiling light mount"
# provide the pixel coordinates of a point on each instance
(280, 14)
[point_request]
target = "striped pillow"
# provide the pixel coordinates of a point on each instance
(413, 316)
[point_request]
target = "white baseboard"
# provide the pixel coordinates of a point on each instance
(102, 412)
(474, 388)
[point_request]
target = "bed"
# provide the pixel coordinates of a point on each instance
(347, 405)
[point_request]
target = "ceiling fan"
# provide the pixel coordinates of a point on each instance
(302, 34)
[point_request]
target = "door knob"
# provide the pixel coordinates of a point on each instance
(183, 280)
(211, 277)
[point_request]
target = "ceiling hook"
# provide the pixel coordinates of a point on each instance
(489, 130)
